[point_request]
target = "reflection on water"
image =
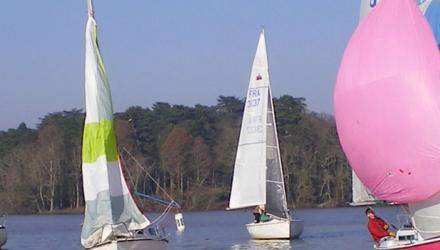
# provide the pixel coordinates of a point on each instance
(215, 230)
(264, 244)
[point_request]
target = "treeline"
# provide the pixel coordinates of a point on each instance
(189, 151)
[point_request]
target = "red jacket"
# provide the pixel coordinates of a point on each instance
(377, 229)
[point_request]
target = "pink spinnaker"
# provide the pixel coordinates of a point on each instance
(387, 103)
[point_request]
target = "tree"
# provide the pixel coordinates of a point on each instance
(174, 155)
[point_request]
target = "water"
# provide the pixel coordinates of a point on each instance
(333, 228)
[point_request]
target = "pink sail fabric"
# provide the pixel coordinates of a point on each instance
(387, 103)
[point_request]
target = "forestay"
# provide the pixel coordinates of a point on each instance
(249, 181)
(110, 210)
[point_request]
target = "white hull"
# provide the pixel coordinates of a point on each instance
(276, 229)
(408, 238)
(432, 244)
(136, 244)
(3, 236)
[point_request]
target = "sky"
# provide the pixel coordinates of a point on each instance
(181, 52)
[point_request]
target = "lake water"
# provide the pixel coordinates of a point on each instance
(332, 228)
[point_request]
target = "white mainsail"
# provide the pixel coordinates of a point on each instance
(110, 209)
(249, 181)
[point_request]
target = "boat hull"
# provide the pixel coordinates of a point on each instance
(433, 244)
(276, 229)
(3, 236)
(136, 244)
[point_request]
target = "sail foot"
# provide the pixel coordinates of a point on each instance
(110, 217)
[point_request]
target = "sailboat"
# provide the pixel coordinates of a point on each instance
(258, 174)
(386, 103)
(112, 219)
(3, 233)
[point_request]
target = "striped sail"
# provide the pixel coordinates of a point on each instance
(110, 210)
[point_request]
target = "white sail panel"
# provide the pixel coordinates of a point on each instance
(110, 210)
(425, 217)
(361, 195)
(366, 6)
(249, 181)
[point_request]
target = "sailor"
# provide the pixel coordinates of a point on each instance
(378, 228)
(260, 214)
(258, 211)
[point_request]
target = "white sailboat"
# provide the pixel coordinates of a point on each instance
(258, 175)
(112, 218)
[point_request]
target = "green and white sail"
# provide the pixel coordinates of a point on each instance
(110, 209)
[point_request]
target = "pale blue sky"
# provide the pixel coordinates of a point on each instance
(182, 52)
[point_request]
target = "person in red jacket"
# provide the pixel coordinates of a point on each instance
(378, 228)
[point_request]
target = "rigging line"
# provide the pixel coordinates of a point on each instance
(148, 174)
(162, 215)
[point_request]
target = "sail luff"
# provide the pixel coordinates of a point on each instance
(110, 210)
(249, 180)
